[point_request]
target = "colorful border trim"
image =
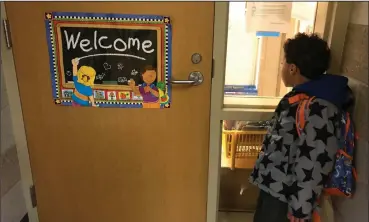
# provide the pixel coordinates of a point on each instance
(98, 17)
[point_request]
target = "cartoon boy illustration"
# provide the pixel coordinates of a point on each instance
(83, 79)
(148, 90)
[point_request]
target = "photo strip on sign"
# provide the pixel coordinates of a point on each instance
(109, 60)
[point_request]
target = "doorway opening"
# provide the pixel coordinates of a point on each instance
(252, 75)
(252, 80)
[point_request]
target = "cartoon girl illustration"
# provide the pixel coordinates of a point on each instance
(83, 79)
(163, 95)
(148, 90)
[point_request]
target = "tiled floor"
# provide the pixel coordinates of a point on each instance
(235, 217)
(13, 207)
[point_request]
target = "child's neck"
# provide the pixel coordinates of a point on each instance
(301, 80)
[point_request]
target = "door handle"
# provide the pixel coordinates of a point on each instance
(194, 78)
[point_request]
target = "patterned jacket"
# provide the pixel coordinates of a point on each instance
(294, 168)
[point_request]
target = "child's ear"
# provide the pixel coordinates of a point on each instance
(292, 69)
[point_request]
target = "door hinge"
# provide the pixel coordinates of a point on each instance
(8, 38)
(32, 192)
(212, 68)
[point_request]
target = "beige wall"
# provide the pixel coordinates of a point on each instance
(355, 56)
(355, 66)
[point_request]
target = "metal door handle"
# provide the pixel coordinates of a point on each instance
(194, 79)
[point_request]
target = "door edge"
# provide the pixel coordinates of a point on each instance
(216, 110)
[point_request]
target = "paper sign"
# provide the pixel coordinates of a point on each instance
(268, 16)
(109, 60)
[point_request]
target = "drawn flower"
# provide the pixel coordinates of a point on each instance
(57, 101)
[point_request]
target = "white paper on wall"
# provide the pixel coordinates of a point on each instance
(268, 16)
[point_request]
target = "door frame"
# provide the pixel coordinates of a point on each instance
(333, 28)
(11, 84)
(328, 24)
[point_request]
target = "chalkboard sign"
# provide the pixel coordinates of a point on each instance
(117, 55)
(109, 60)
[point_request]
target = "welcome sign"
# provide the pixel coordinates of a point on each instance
(109, 60)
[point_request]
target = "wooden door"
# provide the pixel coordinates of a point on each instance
(111, 164)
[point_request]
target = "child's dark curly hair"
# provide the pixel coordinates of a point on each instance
(310, 53)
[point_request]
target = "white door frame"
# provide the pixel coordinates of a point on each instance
(327, 23)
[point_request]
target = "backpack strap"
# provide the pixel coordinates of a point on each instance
(303, 108)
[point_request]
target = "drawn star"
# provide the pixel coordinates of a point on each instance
(166, 20)
(267, 179)
(295, 189)
(298, 213)
(265, 161)
(308, 174)
(305, 150)
(48, 16)
(313, 198)
(323, 180)
(57, 101)
(120, 66)
(322, 134)
(316, 109)
(323, 158)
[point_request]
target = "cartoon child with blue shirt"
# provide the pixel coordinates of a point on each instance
(83, 79)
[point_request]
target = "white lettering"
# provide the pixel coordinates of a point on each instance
(95, 37)
(85, 43)
(103, 42)
(71, 39)
(132, 42)
(103, 46)
(124, 45)
(147, 44)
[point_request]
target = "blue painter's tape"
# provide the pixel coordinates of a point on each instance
(267, 34)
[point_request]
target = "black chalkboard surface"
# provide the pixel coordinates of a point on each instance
(116, 54)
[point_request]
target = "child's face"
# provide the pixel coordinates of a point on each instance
(149, 76)
(86, 76)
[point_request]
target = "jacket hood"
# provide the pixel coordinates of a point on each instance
(333, 88)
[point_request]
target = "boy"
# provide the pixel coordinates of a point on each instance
(291, 169)
(83, 79)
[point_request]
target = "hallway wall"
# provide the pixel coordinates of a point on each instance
(355, 66)
(12, 202)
